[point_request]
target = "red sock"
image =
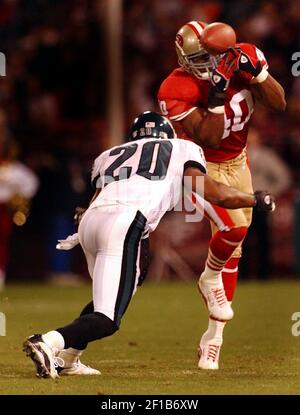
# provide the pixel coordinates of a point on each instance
(229, 277)
(222, 246)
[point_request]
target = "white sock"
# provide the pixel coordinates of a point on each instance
(70, 356)
(54, 339)
(211, 276)
(214, 332)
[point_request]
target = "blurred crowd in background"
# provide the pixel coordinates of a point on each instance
(53, 116)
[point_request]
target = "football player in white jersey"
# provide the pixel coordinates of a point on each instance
(136, 183)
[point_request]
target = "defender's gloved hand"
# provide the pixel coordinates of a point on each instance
(264, 201)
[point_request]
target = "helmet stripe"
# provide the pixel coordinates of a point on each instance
(196, 27)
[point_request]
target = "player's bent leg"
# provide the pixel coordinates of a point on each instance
(93, 326)
(235, 174)
(115, 280)
(71, 356)
(211, 342)
(222, 245)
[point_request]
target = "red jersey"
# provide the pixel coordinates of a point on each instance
(181, 93)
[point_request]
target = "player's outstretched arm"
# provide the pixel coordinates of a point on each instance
(225, 196)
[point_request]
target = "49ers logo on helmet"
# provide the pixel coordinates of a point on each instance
(179, 40)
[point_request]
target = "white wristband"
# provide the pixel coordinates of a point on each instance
(261, 77)
(217, 110)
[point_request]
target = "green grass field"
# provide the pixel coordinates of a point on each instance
(155, 350)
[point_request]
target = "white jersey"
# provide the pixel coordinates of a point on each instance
(144, 175)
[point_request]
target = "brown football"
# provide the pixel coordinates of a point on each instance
(218, 37)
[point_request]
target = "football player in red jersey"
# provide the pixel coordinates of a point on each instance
(210, 100)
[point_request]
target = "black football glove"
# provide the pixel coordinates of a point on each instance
(264, 201)
(79, 212)
(220, 78)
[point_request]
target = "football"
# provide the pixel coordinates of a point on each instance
(218, 37)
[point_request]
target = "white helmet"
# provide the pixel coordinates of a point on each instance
(192, 56)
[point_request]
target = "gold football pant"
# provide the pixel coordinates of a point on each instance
(235, 173)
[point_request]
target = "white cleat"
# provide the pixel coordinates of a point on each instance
(78, 368)
(216, 301)
(209, 356)
(42, 356)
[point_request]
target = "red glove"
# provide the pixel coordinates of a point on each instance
(249, 64)
(251, 61)
(227, 65)
(220, 80)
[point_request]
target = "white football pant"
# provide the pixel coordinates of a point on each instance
(111, 243)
